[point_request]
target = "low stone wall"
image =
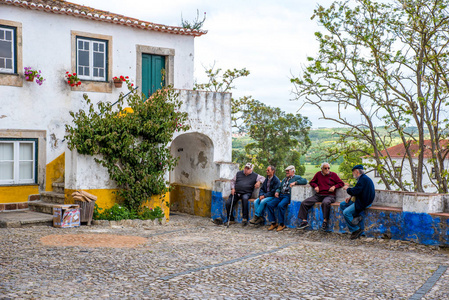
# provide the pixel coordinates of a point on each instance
(408, 216)
(407, 201)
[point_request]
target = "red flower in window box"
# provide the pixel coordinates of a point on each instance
(118, 80)
(72, 79)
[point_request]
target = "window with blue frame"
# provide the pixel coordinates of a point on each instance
(91, 59)
(7, 49)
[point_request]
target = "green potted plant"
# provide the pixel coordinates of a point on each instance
(30, 74)
(72, 79)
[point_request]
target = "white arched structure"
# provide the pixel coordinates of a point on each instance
(196, 166)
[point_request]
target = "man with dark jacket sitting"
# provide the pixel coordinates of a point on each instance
(282, 198)
(362, 197)
(242, 187)
(266, 193)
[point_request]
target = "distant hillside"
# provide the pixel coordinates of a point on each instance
(239, 143)
(320, 138)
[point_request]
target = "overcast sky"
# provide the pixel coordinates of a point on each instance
(270, 38)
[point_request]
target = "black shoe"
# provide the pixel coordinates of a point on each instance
(218, 221)
(356, 220)
(244, 222)
(259, 221)
(324, 226)
(356, 234)
(303, 225)
(254, 220)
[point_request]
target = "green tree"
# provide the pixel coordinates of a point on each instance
(348, 155)
(386, 61)
(280, 139)
(131, 143)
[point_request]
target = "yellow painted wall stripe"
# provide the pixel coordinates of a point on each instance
(54, 172)
(16, 194)
(107, 198)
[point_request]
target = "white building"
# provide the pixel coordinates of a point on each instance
(58, 37)
(397, 154)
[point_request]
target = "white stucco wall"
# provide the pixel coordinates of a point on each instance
(82, 172)
(205, 150)
(210, 114)
(47, 46)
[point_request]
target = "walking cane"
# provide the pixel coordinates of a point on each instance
(230, 212)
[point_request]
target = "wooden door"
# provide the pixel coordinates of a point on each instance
(153, 67)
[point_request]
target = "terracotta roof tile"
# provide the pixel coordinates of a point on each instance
(80, 11)
(399, 150)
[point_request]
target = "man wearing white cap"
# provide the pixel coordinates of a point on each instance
(242, 187)
(282, 198)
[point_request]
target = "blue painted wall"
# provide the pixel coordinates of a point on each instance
(417, 227)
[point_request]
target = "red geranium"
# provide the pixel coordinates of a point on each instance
(72, 79)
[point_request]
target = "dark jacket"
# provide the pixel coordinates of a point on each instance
(364, 193)
(274, 185)
(296, 178)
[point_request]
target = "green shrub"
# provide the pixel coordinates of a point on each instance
(133, 146)
(152, 214)
(117, 213)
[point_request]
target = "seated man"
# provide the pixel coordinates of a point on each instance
(282, 198)
(364, 194)
(242, 187)
(269, 187)
(325, 184)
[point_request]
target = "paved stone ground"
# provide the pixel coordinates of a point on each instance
(191, 258)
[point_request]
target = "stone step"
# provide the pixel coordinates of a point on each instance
(52, 197)
(58, 187)
(42, 207)
(24, 218)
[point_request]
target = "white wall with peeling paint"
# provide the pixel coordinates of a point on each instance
(210, 114)
(196, 160)
(47, 47)
(204, 151)
(207, 145)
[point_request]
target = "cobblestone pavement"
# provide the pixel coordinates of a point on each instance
(191, 258)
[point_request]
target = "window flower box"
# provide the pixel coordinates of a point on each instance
(31, 74)
(118, 81)
(72, 79)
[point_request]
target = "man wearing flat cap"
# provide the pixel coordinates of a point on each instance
(242, 187)
(282, 198)
(363, 194)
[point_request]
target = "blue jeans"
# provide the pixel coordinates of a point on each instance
(259, 205)
(281, 203)
(348, 210)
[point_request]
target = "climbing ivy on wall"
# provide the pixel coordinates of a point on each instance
(131, 142)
